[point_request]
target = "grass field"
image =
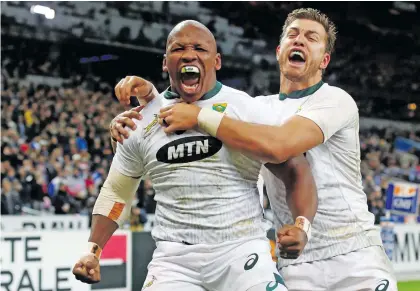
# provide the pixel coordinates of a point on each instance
(409, 286)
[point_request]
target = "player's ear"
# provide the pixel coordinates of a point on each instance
(218, 62)
(278, 53)
(164, 67)
(325, 61)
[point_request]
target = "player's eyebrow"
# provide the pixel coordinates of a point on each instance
(307, 32)
(313, 32)
(193, 44)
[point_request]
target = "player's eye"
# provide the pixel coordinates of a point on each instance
(177, 49)
(200, 49)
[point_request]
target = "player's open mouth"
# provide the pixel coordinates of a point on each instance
(297, 57)
(190, 78)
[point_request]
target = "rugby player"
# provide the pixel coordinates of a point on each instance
(209, 230)
(322, 121)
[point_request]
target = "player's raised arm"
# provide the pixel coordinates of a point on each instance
(274, 144)
(302, 200)
(111, 207)
(320, 118)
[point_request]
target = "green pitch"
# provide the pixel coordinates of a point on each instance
(409, 286)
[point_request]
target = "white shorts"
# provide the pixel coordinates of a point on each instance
(367, 269)
(235, 265)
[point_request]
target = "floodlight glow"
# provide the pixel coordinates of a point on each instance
(43, 10)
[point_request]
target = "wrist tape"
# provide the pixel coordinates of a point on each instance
(304, 224)
(209, 120)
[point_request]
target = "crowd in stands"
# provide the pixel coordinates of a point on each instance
(382, 58)
(55, 146)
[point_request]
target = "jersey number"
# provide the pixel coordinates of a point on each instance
(251, 262)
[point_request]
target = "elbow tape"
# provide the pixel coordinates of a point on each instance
(117, 193)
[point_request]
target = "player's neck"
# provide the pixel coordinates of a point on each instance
(287, 86)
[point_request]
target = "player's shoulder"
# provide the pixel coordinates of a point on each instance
(337, 94)
(267, 98)
(149, 119)
(232, 93)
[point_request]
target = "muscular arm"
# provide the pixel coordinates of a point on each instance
(112, 206)
(102, 229)
(274, 144)
(301, 193)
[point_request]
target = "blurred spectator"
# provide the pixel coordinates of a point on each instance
(10, 200)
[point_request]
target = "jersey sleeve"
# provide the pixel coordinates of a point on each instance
(128, 159)
(331, 113)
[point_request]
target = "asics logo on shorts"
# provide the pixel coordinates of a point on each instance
(382, 286)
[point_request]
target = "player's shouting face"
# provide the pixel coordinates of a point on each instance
(302, 52)
(191, 60)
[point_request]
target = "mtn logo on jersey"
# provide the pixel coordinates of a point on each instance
(220, 107)
(188, 149)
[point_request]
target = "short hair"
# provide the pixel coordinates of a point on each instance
(315, 15)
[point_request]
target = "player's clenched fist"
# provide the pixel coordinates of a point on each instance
(135, 86)
(87, 269)
(291, 241)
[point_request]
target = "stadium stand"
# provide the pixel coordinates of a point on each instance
(55, 160)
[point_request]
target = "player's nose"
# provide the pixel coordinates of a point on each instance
(299, 40)
(189, 56)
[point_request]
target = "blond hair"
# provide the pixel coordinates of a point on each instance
(314, 15)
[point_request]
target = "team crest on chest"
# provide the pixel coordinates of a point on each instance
(148, 129)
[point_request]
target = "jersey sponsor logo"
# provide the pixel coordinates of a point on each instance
(220, 107)
(188, 149)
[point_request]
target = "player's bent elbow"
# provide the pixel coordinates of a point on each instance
(280, 154)
(117, 193)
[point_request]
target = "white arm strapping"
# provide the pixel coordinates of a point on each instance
(209, 120)
(117, 193)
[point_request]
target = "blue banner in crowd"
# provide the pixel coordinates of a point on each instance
(402, 197)
(405, 144)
